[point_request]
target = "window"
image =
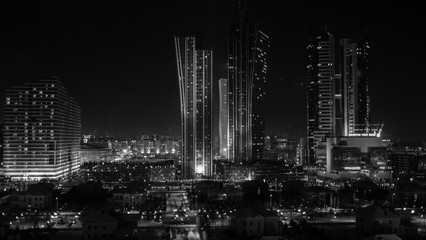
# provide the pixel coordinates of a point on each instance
(89, 227)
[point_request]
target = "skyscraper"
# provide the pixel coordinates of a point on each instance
(338, 101)
(321, 93)
(195, 76)
(248, 47)
(223, 119)
(41, 131)
(355, 86)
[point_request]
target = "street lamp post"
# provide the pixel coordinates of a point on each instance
(57, 204)
(196, 204)
(270, 201)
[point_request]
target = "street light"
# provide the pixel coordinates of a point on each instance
(393, 195)
(270, 200)
(57, 205)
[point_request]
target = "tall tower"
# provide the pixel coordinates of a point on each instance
(41, 131)
(195, 76)
(338, 90)
(321, 110)
(248, 48)
(223, 118)
(354, 71)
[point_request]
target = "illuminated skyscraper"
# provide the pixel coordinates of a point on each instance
(223, 118)
(248, 48)
(338, 101)
(321, 93)
(354, 71)
(41, 131)
(195, 75)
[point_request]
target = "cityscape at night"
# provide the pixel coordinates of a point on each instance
(202, 120)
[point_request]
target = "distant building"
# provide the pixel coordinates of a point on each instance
(338, 94)
(1, 151)
(356, 154)
(276, 172)
(224, 141)
(109, 225)
(128, 199)
(195, 73)
(355, 85)
(383, 237)
(99, 225)
(321, 75)
(247, 70)
(113, 172)
(409, 165)
(283, 149)
(236, 172)
(375, 219)
(156, 145)
(162, 171)
(408, 195)
(255, 222)
(95, 153)
(176, 199)
(320, 196)
(41, 131)
(37, 196)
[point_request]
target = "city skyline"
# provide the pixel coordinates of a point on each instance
(124, 76)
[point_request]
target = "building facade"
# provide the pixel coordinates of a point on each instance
(356, 97)
(195, 76)
(41, 131)
(320, 95)
(338, 94)
(223, 119)
(247, 69)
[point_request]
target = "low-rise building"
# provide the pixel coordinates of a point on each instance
(95, 153)
(104, 224)
(236, 172)
(99, 225)
(128, 199)
(162, 171)
(409, 165)
(255, 222)
(375, 219)
(37, 196)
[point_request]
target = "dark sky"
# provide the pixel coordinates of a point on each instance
(118, 60)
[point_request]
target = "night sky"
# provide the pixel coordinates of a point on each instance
(118, 60)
